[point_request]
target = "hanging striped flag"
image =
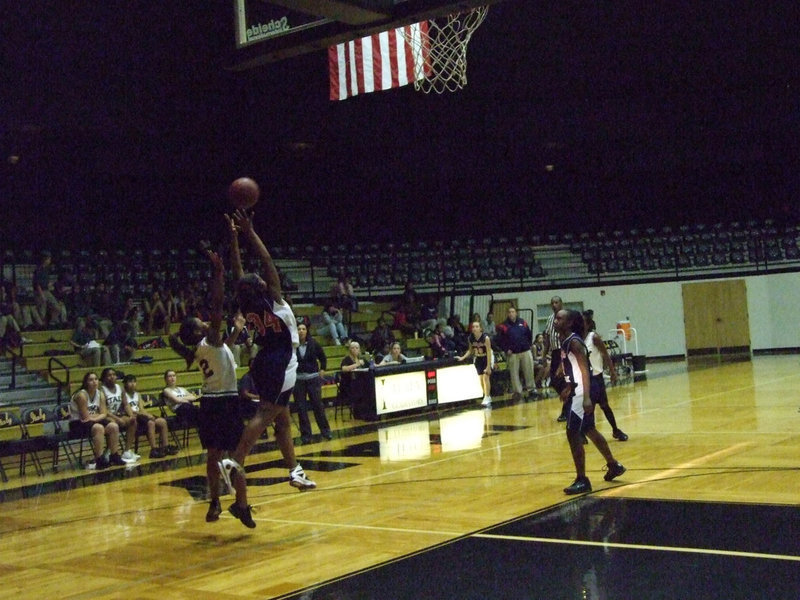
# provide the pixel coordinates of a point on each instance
(379, 62)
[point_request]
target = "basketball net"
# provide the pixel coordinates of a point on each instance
(441, 52)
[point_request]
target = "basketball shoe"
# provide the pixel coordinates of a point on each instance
(227, 467)
(243, 514)
(298, 479)
(214, 510)
(614, 470)
(579, 486)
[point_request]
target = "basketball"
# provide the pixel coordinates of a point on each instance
(243, 193)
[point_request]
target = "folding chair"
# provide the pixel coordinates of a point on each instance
(67, 438)
(176, 421)
(10, 433)
(342, 399)
(35, 425)
(12, 441)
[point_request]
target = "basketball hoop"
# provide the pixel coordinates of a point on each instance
(441, 52)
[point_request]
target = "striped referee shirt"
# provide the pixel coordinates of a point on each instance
(551, 335)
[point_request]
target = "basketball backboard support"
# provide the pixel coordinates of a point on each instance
(266, 32)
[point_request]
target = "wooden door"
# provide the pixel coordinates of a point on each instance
(715, 317)
(500, 309)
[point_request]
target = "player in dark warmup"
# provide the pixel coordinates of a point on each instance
(575, 369)
(274, 368)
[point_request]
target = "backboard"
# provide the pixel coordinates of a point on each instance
(272, 31)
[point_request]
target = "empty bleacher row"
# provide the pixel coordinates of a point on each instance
(379, 269)
(464, 261)
(689, 248)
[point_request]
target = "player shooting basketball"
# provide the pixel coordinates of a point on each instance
(274, 368)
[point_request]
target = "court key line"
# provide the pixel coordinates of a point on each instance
(684, 549)
(355, 526)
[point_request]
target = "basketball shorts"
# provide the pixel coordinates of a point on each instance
(581, 424)
(597, 390)
(269, 375)
(79, 428)
(480, 364)
(219, 422)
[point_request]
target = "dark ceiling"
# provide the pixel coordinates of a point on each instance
(126, 125)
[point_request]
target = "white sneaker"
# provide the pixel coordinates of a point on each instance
(298, 479)
(130, 456)
(487, 401)
(228, 466)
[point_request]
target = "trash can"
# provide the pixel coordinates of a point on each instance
(639, 363)
(625, 326)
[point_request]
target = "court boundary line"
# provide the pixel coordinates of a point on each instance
(650, 547)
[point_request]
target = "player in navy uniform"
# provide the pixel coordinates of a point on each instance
(274, 369)
(575, 369)
(219, 422)
(480, 345)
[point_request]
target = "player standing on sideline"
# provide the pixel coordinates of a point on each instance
(274, 368)
(575, 367)
(600, 360)
(481, 346)
(219, 422)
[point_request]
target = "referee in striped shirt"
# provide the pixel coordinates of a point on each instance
(552, 347)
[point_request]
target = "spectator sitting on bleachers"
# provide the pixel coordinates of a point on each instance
(132, 314)
(10, 334)
(121, 342)
(405, 319)
(438, 342)
(409, 298)
(333, 323)
(343, 295)
(84, 341)
(176, 308)
(381, 339)
(429, 312)
(103, 303)
(48, 310)
(460, 333)
(156, 317)
(8, 300)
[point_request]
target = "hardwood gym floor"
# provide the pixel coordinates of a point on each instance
(461, 504)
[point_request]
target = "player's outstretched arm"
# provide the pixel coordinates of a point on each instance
(182, 350)
(236, 257)
(245, 224)
(217, 299)
(238, 326)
